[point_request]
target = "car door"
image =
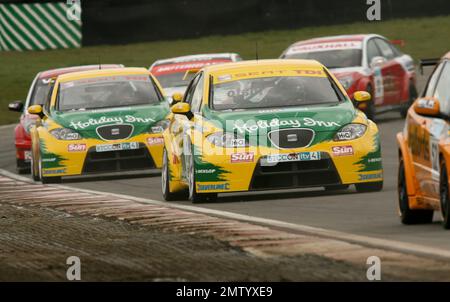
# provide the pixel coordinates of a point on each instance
(392, 72)
(422, 143)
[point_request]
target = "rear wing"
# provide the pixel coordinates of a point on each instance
(400, 43)
(428, 62)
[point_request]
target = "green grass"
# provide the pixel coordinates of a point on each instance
(425, 37)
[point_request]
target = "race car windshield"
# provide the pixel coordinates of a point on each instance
(106, 92)
(332, 58)
(273, 92)
(174, 79)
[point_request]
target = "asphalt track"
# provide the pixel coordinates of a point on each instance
(371, 214)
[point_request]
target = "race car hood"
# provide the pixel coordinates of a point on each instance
(142, 118)
(325, 119)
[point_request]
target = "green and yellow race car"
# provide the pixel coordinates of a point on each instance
(99, 121)
(268, 124)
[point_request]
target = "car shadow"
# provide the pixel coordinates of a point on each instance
(252, 196)
(115, 176)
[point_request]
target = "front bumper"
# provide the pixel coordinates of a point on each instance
(351, 162)
(70, 158)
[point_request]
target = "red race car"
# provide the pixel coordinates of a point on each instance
(365, 62)
(37, 95)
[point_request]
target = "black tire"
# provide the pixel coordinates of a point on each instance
(408, 216)
(167, 195)
(370, 110)
(445, 198)
(22, 167)
(412, 98)
(336, 187)
(193, 195)
(369, 187)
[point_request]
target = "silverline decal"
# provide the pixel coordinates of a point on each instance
(110, 120)
(252, 126)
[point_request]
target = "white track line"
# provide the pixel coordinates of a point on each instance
(402, 247)
(7, 126)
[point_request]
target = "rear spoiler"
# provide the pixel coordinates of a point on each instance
(428, 62)
(400, 43)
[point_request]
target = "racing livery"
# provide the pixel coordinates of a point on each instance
(424, 149)
(37, 95)
(268, 124)
(364, 62)
(99, 121)
(171, 72)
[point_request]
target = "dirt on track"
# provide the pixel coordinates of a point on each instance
(35, 243)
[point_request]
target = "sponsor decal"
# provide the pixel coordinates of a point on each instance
(301, 156)
(117, 147)
(424, 103)
(237, 142)
(244, 157)
(151, 141)
(213, 187)
(342, 150)
(49, 160)
(374, 160)
(157, 129)
(54, 171)
(325, 46)
(344, 135)
(180, 67)
(276, 123)
(370, 176)
(205, 171)
(27, 155)
(110, 120)
(76, 147)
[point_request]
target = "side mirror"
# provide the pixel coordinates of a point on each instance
(360, 99)
(35, 109)
(427, 106)
(182, 108)
(16, 106)
(377, 61)
(177, 97)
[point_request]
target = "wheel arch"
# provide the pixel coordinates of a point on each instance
(403, 153)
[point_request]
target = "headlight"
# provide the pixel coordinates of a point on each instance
(65, 134)
(226, 140)
(350, 131)
(159, 127)
(347, 82)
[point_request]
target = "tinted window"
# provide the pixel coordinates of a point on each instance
(332, 58)
(272, 92)
(386, 49)
(40, 92)
(442, 92)
(174, 79)
(197, 96)
(190, 90)
(106, 92)
(372, 51)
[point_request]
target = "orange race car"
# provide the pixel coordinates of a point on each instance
(424, 168)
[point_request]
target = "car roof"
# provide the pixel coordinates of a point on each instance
(196, 57)
(262, 64)
(446, 56)
(52, 73)
(339, 38)
(102, 72)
